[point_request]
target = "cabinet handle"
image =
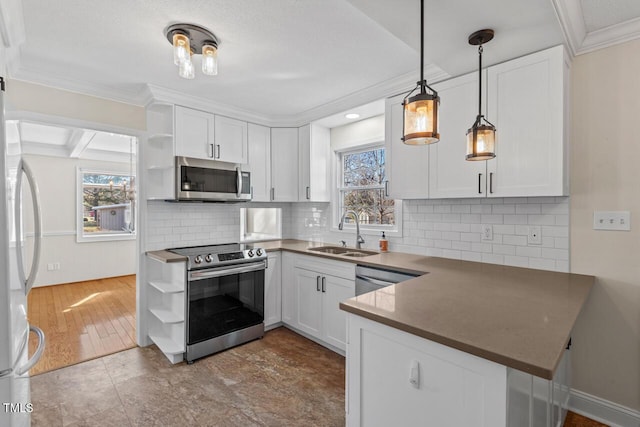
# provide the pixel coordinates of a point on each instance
(308, 195)
(218, 156)
(273, 193)
(213, 153)
(386, 189)
(324, 283)
(479, 183)
(491, 183)
(318, 283)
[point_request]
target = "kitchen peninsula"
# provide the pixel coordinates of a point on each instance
(489, 342)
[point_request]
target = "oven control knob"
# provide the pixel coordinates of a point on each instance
(259, 252)
(198, 259)
(208, 258)
(250, 253)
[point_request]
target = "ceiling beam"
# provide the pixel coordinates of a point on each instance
(79, 141)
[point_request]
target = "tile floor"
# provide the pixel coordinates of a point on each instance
(281, 380)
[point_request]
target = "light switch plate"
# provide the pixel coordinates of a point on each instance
(612, 220)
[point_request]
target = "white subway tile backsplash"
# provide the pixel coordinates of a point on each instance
(491, 219)
(503, 209)
(514, 240)
(542, 219)
(529, 251)
(516, 219)
(530, 208)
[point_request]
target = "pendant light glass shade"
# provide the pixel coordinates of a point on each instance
(420, 112)
(209, 60)
(421, 119)
(481, 142)
(181, 48)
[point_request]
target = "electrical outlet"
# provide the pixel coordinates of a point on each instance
(535, 235)
(612, 220)
(487, 232)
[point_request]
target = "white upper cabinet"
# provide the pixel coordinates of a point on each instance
(284, 164)
(259, 138)
(314, 166)
(230, 140)
(407, 166)
(450, 175)
(527, 105)
(203, 135)
(194, 133)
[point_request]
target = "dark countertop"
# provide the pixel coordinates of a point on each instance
(518, 317)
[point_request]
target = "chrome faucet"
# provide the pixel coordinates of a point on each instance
(359, 239)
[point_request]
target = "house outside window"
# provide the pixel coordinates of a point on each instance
(362, 189)
(106, 206)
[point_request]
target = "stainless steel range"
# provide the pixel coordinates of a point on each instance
(225, 296)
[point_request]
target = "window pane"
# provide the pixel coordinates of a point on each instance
(371, 206)
(107, 204)
(366, 168)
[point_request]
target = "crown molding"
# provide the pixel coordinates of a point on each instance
(610, 36)
(571, 18)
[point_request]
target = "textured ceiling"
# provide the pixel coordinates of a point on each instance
(279, 58)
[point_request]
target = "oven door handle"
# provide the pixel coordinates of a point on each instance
(226, 271)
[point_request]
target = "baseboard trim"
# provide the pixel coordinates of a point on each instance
(603, 410)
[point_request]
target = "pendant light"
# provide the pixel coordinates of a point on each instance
(420, 121)
(481, 138)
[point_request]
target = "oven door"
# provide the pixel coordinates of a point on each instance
(224, 300)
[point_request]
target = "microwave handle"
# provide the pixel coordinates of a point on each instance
(238, 182)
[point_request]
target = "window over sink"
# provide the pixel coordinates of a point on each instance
(362, 189)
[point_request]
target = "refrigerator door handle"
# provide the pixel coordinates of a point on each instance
(38, 353)
(37, 218)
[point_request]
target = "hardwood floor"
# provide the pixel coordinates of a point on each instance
(83, 320)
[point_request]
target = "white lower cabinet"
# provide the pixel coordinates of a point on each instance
(166, 293)
(272, 291)
(311, 297)
(396, 378)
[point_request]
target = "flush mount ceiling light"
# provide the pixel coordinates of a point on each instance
(352, 116)
(189, 40)
(481, 138)
(420, 122)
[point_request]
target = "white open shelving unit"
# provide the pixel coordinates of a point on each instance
(159, 152)
(166, 293)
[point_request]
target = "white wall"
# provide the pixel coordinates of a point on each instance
(56, 178)
(605, 176)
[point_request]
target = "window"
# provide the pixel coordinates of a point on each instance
(260, 224)
(106, 206)
(362, 189)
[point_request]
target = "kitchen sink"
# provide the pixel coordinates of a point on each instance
(337, 250)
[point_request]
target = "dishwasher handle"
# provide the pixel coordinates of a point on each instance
(377, 282)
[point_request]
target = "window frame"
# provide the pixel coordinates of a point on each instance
(365, 229)
(80, 235)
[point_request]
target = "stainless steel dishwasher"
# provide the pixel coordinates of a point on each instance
(371, 279)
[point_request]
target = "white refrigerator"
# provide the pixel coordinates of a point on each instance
(15, 404)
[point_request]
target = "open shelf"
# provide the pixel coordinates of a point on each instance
(166, 344)
(166, 316)
(166, 287)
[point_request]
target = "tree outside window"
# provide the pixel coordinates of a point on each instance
(108, 204)
(363, 188)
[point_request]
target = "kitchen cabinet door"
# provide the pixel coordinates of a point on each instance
(335, 290)
(314, 164)
(259, 145)
(407, 166)
(230, 140)
(450, 175)
(272, 291)
(308, 287)
(284, 164)
(194, 133)
(526, 104)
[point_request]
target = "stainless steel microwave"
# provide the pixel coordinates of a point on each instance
(211, 181)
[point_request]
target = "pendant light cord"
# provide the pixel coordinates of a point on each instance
(479, 82)
(422, 82)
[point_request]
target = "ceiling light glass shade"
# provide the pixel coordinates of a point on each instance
(481, 141)
(420, 126)
(181, 48)
(186, 69)
(209, 60)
